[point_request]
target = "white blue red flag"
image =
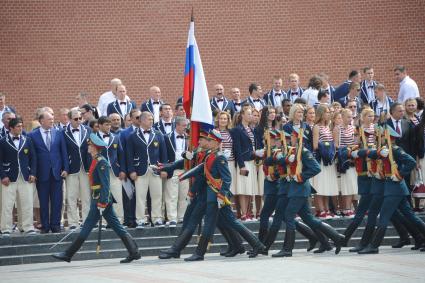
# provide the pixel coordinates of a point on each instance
(196, 102)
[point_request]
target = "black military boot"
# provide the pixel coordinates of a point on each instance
(69, 253)
(373, 247)
(133, 250)
(349, 232)
(306, 231)
(288, 245)
(324, 243)
(225, 233)
(262, 233)
(365, 240)
(181, 242)
(404, 239)
(416, 233)
(236, 244)
(253, 241)
(200, 251)
(331, 233)
(270, 238)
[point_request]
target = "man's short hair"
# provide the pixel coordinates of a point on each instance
(353, 73)
(72, 112)
(400, 68)
(420, 102)
(103, 119)
(354, 85)
(15, 121)
(394, 105)
(367, 68)
(252, 87)
(178, 105)
(2, 94)
(134, 111)
(322, 93)
(6, 113)
(379, 86)
(164, 104)
(300, 100)
(87, 107)
(180, 120)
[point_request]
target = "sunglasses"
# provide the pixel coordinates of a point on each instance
(78, 119)
(137, 117)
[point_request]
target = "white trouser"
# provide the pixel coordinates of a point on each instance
(77, 186)
(23, 191)
(175, 194)
(154, 183)
(116, 191)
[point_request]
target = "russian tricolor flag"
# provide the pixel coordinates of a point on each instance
(196, 102)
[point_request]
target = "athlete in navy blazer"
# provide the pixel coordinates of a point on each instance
(52, 165)
(227, 106)
(363, 92)
(77, 152)
(114, 107)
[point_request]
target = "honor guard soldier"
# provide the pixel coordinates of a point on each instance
(101, 205)
(17, 171)
(76, 137)
(396, 163)
(303, 166)
(113, 152)
(218, 179)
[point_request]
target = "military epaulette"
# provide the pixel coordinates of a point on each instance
(99, 158)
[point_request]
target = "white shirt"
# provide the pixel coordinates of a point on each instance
(397, 123)
(123, 107)
(77, 135)
(167, 128)
(180, 146)
(219, 103)
(104, 100)
(408, 89)
(277, 98)
(16, 142)
(370, 91)
(310, 95)
(257, 104)
(155, 110)
(146, 135)
(105, 139)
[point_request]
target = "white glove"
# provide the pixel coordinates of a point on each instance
(188, 200)
(154, 168)
(101, 210)
(384, 153)
(395, 178)
(220, 202)
(288, 178)
(189, 155)
(259, 152)
(377, 175)
(355, 154)
(291, 158)
(279, 155)
(227, 153)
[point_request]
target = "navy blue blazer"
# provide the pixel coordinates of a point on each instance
(114, 107)
(363, 92)
(308, 143)
(77, 154)
(227, 106)
(148, 106)
(140, 153)
(342, 90)
(114, 153)
(14, 160)
(332, 93)
(159, 126)
(250, 101)
(55, 160)
(269, 98)
(242, 145)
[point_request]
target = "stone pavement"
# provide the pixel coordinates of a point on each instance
(391, 265)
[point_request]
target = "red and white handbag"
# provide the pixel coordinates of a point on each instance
(419, 188)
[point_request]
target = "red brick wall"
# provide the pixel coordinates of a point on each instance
(51, 50)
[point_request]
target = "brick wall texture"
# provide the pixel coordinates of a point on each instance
(51, 50)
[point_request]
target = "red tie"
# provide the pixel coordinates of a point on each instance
(397, 127)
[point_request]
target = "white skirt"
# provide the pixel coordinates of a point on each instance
(349, 182)
(232, 169)
(260, 180)
(325, 183)
(247, 185)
